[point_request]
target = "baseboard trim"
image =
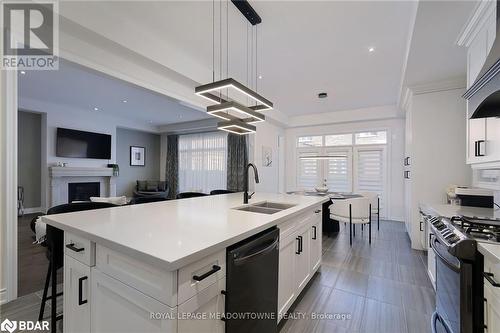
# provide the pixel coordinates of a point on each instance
(3, 296)
(33, 210)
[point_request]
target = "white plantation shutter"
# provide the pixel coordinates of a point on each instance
(308, 171)
(370, 172)
(338, 171)
(202, 162)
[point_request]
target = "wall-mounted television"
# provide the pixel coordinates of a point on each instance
(81, 144)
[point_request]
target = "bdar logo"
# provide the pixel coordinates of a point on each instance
(8, 325)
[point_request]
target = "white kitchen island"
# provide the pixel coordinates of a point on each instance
(131, 268)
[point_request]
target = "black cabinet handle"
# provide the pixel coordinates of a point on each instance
(317, 211)
(407, 161)
(407, 174)
(80, 290)
(73, 248)
(298, 245)
(421, 229)
(475, 148)
(314, 232)
(214, 270)
(479, 151)
(490, 277)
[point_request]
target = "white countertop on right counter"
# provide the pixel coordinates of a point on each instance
(453, 210)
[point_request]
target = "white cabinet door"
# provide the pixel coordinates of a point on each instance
(287, 287)
(316, 246)
(476, 133)
(119, 308)
(491, 310)
(76, 309)
(492, 139)
(203, 312)
(302, 258)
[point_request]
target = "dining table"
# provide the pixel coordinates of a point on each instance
(329, 225)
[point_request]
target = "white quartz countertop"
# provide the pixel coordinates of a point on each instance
(452, 210)
(490, 250)
(175, 233)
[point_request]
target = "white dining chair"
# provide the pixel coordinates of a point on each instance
(353, 211)
(374, 199)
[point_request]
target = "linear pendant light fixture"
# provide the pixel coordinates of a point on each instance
(237, 118)
(236, 126)
(321, 157)
(218, 111)
(233, 84)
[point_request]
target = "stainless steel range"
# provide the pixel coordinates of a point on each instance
(459, 271)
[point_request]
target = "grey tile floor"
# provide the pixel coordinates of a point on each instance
(382, 287)
(379, 288)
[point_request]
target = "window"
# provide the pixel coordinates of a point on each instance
(202, 162)
(356, 162)
(338, 173)
(370, 173)
(338, 140)
(370, 138)
(308, 170)
(310, 141)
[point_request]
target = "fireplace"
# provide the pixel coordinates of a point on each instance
(83, 191)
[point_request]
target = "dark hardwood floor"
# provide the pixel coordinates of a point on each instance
(379, 288)
(32, 260)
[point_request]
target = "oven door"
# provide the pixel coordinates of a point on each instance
(448, 291)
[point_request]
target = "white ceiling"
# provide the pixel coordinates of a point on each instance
(305, 47)
(434, 54)
(82, 88)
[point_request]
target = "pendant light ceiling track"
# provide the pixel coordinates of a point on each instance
(238, 118)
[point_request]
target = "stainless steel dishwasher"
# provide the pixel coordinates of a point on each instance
(252, 284)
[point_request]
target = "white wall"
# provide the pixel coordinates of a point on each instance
(395, 153)
(267, 136)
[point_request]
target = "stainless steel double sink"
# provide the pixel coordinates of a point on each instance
(265, 207)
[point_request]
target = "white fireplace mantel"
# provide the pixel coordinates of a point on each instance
(80, 172)
(60, 177)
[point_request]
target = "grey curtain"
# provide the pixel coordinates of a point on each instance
(237, 159)
(172, 169)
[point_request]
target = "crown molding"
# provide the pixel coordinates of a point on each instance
(405, 100)
(431, 87)
(476, 21)
(427, 88)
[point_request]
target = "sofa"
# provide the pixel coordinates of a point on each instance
(151, 189)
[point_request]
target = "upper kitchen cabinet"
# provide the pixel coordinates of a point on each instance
(483, 52)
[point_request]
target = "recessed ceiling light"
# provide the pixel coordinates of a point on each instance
(322, 95)
(260, 77)
(23, 72)
(150, 121)
(96, 109)
(124, 101)
(371, 49)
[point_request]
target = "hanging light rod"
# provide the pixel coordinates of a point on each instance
(236, 126)
(218, 111)
(232, 83)
(321, 157)
(247, 10)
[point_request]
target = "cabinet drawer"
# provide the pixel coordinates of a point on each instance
(204, 311)
(117, 307)
(154, 282)
(493, 267)
(290, 226)
(188, 283)
(79, 248)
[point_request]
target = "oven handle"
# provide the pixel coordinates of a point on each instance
(443, 259)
